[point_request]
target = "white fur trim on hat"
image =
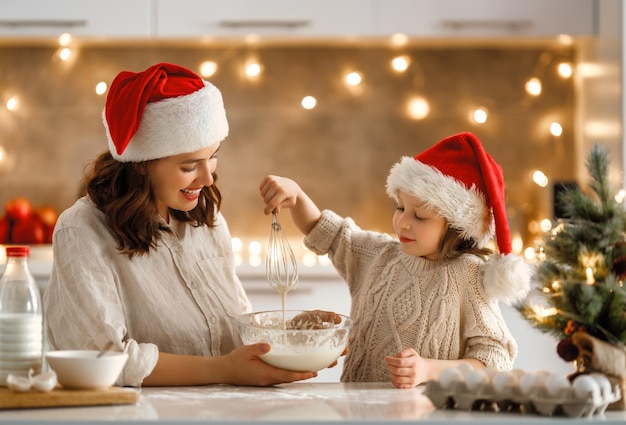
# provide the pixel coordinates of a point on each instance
(464, 209)
(506, 277)
(176, 125)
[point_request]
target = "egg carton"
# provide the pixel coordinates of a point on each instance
(484, 397)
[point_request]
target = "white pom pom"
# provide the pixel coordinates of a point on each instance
(506, 278)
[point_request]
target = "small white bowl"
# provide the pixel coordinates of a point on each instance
(83, 369)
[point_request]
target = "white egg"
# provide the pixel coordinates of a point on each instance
(518, 372)
(18, 383)
(502, 380)
(45, 382)
(606, 388)
(528, 381)
(491, 371)
(465, 368)
(556, 384)
(585, 386)
(476, 377)
(449, 377)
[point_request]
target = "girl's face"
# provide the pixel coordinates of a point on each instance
(177, 180)
(419, 229)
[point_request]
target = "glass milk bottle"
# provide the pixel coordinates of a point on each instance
(21, 318)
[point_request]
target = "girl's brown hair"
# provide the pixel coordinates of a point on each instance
(121, 190)
(453, 245)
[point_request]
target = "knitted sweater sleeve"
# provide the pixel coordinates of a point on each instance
(351, 249)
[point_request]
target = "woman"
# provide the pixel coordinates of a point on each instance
(145, 260)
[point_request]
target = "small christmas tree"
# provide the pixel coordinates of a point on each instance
(581, 265)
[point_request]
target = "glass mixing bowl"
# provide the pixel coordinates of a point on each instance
(303, 341)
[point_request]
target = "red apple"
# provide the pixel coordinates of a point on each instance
(18, 209)
(47, 214)
(4, 230)
(28, 231)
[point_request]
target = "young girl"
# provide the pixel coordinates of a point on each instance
(145, 259)
(427, 300)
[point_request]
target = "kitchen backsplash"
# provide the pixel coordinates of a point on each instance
(340, 151)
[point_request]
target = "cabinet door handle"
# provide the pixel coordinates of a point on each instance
(42, 23)
(291, 24)
(495, 24)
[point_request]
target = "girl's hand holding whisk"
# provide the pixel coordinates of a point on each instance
(281, 192)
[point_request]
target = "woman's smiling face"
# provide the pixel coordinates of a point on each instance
(177, 180)
(419, 229)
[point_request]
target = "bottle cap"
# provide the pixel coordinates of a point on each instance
(17, 251)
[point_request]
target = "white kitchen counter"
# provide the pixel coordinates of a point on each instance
(291, 403)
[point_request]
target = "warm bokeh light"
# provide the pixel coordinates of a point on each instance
(254, 248)
(399, 40)
(65, 39)
(237, 244)
(324, 260)
(309, 259)
(533, 86)
(619, 196)
(3, 154)
(517, 243)
(65, 53)
(354, 78)
(308, 102)
(12, 103)
(400, 63)
(208, 68)
(540, 178)
(545, 225)
(101, 88)
(253, 70)
(565, 70)
(556, 129)
(418, 108)
(530, 254)
(480, 115)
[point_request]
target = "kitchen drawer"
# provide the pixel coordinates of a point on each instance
(271, 18)
(83, 18)
(461, 19)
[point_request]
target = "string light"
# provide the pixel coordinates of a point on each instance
(533, 86)
(354, 78)
(418, 108)
(208, 68)
(308, 102)
(65, 39)
(540, 178)
(253, 69)
(12, 103)
(480, 115)
(101, 88)
(400, 63)
(555, 129)
(565, 70)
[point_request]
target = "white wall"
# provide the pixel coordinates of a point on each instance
(600, 78)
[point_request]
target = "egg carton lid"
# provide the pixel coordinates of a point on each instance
(510, 399)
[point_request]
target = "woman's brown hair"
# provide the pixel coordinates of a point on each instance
(121, 190)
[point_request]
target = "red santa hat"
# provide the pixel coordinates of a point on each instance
(162, 111)
(464, 184)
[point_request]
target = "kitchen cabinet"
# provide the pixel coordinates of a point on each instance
(486, 18)
(272, 18)
(83, 18)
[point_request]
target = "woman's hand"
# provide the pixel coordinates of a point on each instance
(407, 369)
(244, 367)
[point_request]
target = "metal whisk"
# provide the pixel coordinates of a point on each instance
(281, 267)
